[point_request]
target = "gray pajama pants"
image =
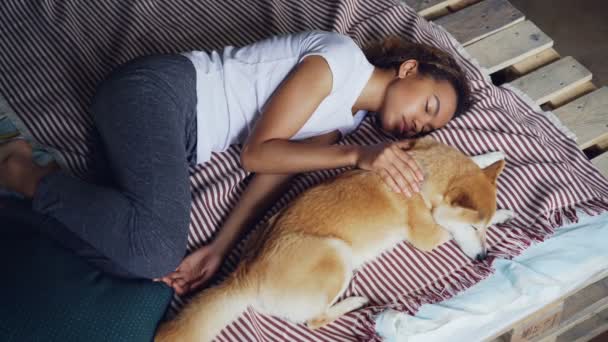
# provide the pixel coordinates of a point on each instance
(137, 226)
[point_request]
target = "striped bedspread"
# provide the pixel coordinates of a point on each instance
(53, 53)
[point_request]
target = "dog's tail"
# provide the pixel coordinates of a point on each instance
(209, 312)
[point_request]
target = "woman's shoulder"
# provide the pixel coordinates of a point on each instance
(312, 39)
(330, 38)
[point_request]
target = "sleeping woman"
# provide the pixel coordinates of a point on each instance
(286, 99)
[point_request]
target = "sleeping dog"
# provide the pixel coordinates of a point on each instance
(299, 265)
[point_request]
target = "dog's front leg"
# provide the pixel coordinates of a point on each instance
(423, 232)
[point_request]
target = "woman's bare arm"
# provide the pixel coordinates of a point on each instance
(268, 148)
(262, 191)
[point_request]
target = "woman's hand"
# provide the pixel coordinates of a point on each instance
(392, 162)
(195, 270)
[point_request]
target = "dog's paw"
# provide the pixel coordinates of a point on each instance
(336, 311)
(317, 323)
(357, 302)
(502, 216)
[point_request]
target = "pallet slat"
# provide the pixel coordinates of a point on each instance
(509, 46)
(496, 34)
(428, 7)
(584, 298)
(580, 307)
(587, 117)
(538, 324)
(569, 95)
(480, 20)
(596, 324)
(601, 162)
(534, 62)
(590, 291)
(552, 80)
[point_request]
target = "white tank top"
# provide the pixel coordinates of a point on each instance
(233, 86)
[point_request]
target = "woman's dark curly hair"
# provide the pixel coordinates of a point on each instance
(432, 62)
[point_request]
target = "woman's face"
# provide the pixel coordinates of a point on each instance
(415, 105)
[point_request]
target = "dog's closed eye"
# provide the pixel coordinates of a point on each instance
(464, 201)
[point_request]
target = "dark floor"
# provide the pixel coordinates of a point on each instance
(601, 338)
(578, 28)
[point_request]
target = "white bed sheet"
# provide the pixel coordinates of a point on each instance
(540, 275)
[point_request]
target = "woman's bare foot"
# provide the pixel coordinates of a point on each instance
(195, 270)
(18, 172)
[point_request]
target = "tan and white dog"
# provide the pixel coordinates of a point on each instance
(300, 264)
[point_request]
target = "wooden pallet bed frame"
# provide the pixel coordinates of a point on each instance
(517, 52)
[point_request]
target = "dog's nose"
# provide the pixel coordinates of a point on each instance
(480, 256)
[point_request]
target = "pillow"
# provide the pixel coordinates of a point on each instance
(47, 293)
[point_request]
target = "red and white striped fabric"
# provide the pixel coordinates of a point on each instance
(55, 52)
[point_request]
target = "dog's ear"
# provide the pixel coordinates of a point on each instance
(484, 160)
(494, 170)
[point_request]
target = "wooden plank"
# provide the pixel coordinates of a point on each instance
(548, 339)
(587, 117)
(601, 162)
(580, 317)
(585, 298)
(505, 333)
(595, 330)
(480, 20)
(433, 9)
(572, 94)
(583, 305)
(534, 62)
(558, 318)
(552, 80)
(426, 8)
(509, 46)
(596, 324)
(538, 324)
(461, 4)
